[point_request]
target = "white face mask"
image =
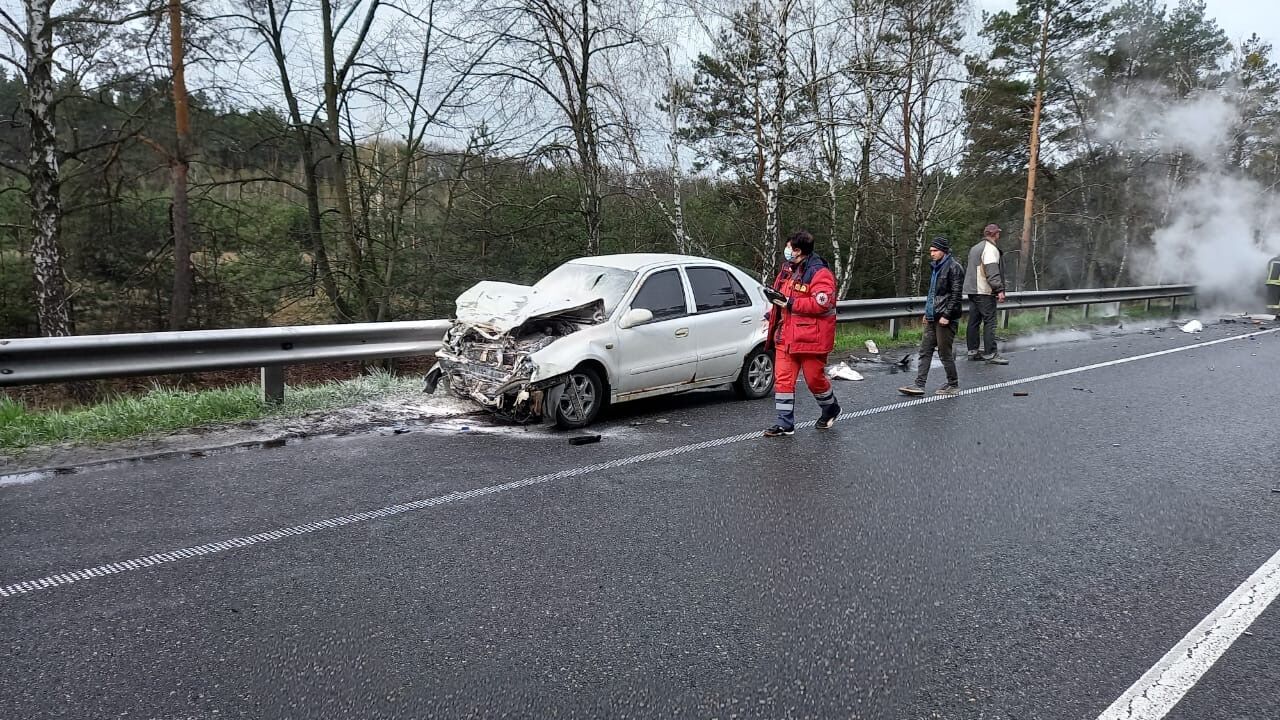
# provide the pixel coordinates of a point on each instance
(788, 253)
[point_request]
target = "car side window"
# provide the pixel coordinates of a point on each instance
(663, 295)
(715, 289)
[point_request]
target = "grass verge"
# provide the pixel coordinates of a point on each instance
(165, 410)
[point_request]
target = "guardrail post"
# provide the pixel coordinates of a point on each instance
(1004, 319)
(1173, 306)
(895, 326)
(1048, 315)
(273, 384)
(1086, 311)
(1148, 306)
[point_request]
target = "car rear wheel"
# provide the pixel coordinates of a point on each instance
(581, 400)
(756, 379)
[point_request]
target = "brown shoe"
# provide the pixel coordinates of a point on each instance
(911, 390)
(947, 390)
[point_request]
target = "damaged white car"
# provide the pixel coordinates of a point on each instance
(605, 330)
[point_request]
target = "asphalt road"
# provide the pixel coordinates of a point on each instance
(984, 556)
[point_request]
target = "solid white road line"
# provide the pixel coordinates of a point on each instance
(66, 578)
(1156, 692)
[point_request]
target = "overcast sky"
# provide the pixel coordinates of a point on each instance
(1239, 18)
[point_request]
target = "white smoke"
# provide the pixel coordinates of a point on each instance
(1218, 232)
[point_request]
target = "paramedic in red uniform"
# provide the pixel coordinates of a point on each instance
(802, 331)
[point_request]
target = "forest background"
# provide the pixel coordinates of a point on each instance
(235, 163)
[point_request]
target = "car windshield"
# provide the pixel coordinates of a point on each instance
(573, 279)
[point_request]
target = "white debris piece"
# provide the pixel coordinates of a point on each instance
(843, 372)
(1192, 327)
(1263, 317)
(871, 347)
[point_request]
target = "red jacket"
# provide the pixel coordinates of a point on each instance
(808, 324)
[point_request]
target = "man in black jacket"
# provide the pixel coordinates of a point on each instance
(941, 311)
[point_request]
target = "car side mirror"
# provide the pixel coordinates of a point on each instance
(634, 317)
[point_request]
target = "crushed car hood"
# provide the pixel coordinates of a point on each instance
(502, 307)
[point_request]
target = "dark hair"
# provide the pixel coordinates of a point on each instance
(802, 241)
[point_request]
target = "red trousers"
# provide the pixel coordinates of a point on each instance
(787, 367)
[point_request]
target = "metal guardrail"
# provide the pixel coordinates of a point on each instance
(87, 357)
(897, 308)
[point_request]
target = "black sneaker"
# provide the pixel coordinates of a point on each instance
(779, 431)
(974, 356)
(911, 390)
(828, 417)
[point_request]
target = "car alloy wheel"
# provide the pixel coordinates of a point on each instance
(756, 379)
(760, 373)
(581, 399)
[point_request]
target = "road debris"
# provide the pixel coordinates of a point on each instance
(1263, 317)
(1082, 389)
(1194, 326)
(871, 347)
(584, 439)
(843, 372)
(1020, 393)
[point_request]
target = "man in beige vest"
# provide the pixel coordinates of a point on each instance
(984, 284)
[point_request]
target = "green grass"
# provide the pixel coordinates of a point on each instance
(165, 410)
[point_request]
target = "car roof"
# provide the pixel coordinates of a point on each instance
(636, 262)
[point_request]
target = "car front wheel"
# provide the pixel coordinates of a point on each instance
(756, 379)
(581, 400)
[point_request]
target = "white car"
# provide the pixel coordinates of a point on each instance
(605, 330)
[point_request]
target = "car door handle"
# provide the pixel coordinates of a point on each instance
(746, 320)
(682, 332)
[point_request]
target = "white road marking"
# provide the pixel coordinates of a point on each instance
(169, 556)
(1162, 687)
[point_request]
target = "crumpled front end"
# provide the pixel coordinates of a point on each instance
(496, 369)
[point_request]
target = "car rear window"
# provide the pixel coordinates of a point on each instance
(715, 289)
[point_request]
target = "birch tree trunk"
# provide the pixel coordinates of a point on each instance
(53, 309)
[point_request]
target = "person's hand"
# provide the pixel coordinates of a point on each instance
(943, 321)
(1000, 297)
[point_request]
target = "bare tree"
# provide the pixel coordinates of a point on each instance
(634, 124)
(558, 48)
(745, 102)
(420, 94)
(925, 135)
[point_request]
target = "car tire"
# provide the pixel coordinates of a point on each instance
(757, 376)
(584, 386)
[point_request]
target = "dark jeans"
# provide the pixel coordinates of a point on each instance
(941, 337)
(982, 312)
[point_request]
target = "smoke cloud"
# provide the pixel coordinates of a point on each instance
(1218, 231)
